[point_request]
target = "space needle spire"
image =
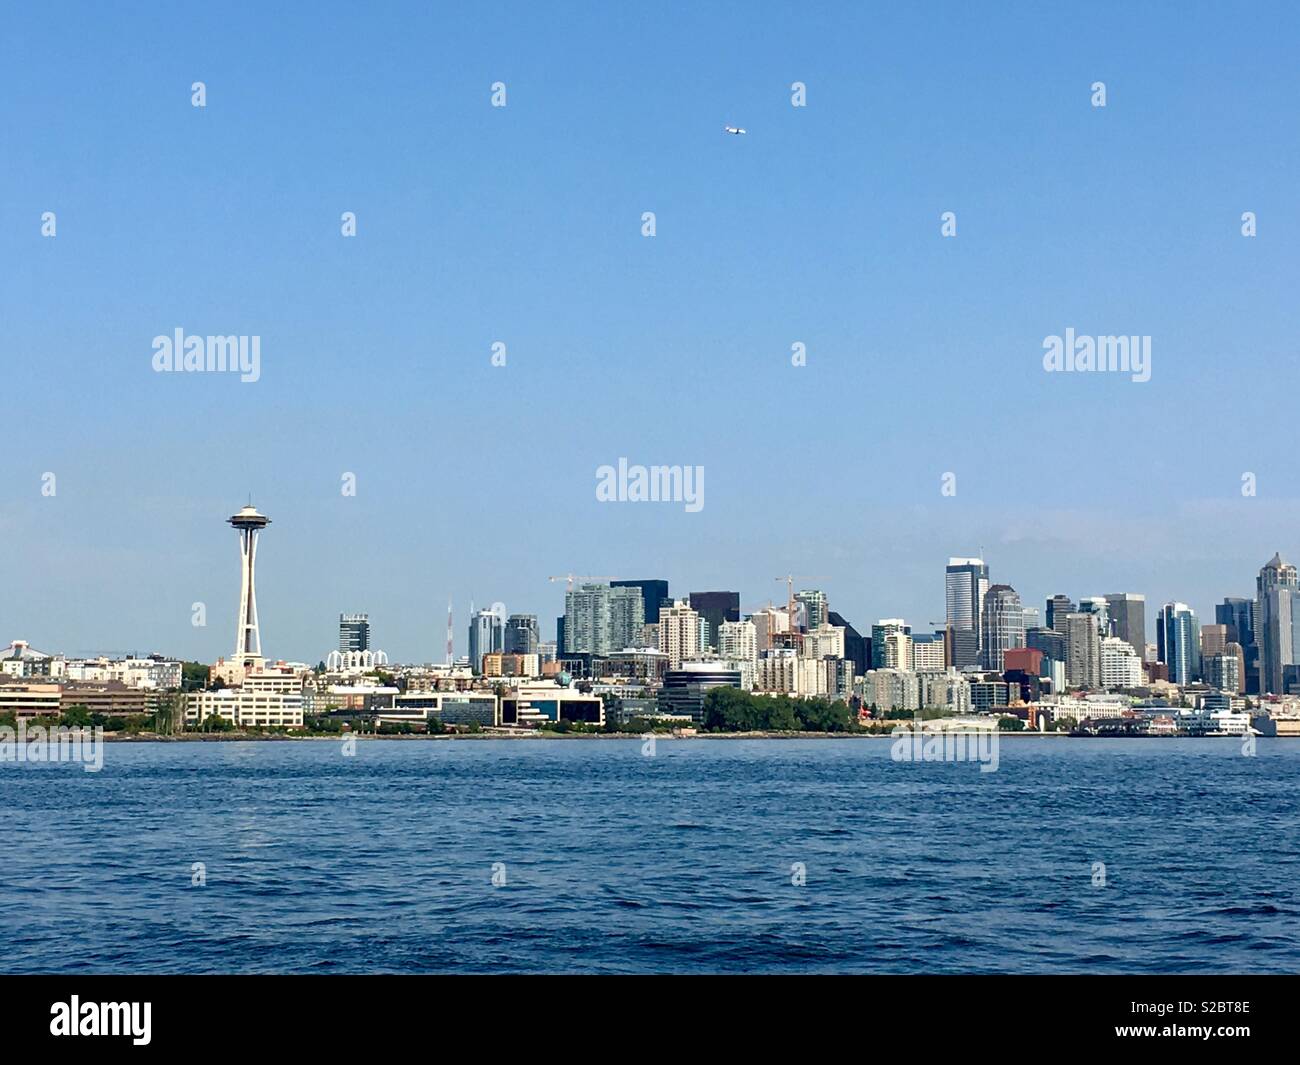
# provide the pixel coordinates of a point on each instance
(248, 641)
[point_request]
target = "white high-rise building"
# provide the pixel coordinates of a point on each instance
(898, 650)
(679, 632)
(825, 641)
(738, 640)
(927, 653)
(786, 673)
(768, 622)
(1120, 665)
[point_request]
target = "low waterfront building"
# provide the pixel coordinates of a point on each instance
(684, 689)
(30, 700)
(112, 699)
(543, 702)
(246, 708)
(890, 689)
(481, 708)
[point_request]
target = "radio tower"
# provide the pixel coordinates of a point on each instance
(449, 637)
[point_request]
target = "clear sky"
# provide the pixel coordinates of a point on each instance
(522, 225)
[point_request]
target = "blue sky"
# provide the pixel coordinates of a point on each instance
(522, 225)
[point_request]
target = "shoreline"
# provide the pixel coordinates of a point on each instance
(235, 737)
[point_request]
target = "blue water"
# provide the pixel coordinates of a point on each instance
(680, 862)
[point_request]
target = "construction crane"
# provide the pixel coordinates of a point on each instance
(571, 577)
(789, 579)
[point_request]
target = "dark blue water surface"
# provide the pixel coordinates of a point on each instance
(680, 862)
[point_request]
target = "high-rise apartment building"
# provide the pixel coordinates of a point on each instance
(825, 641)
(1082, 651)
(927, 652)
(1120, 665)
(891, 644)
(1178, 642)
(679, 633)
(1223, 669)
(600, 619)
(522, 636)
(654, 593)
(811, 607)
(738, 641)
(768, 622)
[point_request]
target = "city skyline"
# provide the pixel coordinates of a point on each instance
(957, 569)
(522, 225)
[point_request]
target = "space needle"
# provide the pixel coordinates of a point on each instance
(248, 642)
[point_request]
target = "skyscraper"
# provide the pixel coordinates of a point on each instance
(1002, 625)
(769, 622)
(1128, 618)
(1239, 616)
(1276, 621)
(1051, 643)
(715, 608)
(1059, 607)
(600, 619)
(654, 593)
(891, 644)
(812, 608)
(857, 649)
(966, 580)
(248, 639)
(1082, 651)
(522, 634)
(1097, 606)
(485, 637)
(738, 641)
(354, 632)
(679, 633)
(1178, 642)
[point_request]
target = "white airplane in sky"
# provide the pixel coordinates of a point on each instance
(732, 129)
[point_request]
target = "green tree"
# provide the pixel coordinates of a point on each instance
(78, 716)
(194, 676)
(169, 713)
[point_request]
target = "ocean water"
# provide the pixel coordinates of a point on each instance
(683, 861)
